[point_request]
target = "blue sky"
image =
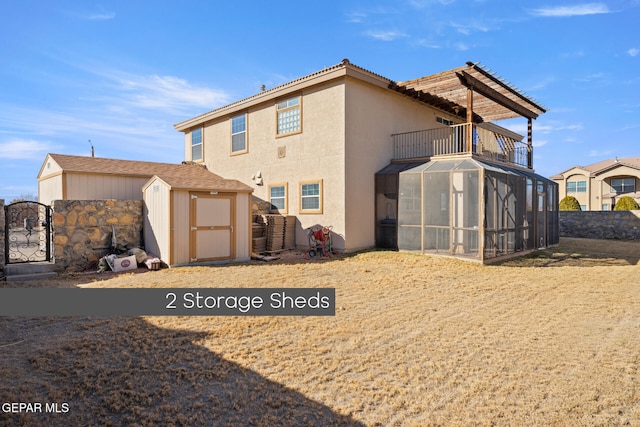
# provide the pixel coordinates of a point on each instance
(121, 73)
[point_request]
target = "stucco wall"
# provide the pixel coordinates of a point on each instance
(315, 154)
(373, 114)
(597, 185)
(82, 230)
(600, 224)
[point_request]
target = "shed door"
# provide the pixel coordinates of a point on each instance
(212, 227)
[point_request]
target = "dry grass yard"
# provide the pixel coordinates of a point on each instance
(552, 339)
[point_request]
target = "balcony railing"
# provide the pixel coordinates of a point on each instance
(484, 143)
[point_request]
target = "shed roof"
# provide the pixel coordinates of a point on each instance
(177, 175)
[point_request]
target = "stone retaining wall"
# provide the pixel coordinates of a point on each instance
(623, 225)
(82, 230)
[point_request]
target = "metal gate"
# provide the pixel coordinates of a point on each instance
(27, 232)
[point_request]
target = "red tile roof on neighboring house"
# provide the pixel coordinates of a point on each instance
(179, 176)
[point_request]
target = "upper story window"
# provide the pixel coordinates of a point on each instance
(577, 187)
(288, 116)
(623, 185)
(444, 121)
(196, 144)
(239, 134)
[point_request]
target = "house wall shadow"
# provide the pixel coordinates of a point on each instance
(124, 371)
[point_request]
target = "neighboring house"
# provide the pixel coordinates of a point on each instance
(191, 215)
(598, 186)
(330, 148)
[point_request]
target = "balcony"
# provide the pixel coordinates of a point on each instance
(484, 141)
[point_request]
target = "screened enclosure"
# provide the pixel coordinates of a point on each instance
(476, 210)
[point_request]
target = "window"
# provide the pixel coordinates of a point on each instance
(605, 207)
(239, 134)
(583, 207)
(444, 121)
(311, 197)
(278, 198)
(577, 187)
(288, 116)
(623, 185)
(196, 144)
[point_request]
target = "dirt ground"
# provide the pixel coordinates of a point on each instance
(550, 339)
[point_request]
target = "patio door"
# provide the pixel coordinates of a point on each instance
(212, 218)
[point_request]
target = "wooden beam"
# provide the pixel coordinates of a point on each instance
(469, 119)
(529, 144)
(469, 81)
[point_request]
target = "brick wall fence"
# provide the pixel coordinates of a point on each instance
(623, 225)
(82, 230)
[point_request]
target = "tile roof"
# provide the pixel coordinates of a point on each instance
(183, 176)
(604, 165)
(494, 97)
(267, 94)
(595, 168)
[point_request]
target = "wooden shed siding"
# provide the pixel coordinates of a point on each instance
(156, 221)
(97, 187)
(49, 167)
(243, 226)
(181, 231)
(50, 189)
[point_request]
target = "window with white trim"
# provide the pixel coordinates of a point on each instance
(623, 185)
(288, 116)
(196, 144)
(239, 134)
(311, 196)
(278, 198)
(577, 187)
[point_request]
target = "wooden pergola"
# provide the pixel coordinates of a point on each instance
(475, 94)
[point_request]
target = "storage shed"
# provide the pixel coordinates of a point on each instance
(69, 177)
(197, 217)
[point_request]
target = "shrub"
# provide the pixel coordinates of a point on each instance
(626, 203)
(569, 203)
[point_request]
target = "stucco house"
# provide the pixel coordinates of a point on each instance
(598, 186)
(331, 149)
